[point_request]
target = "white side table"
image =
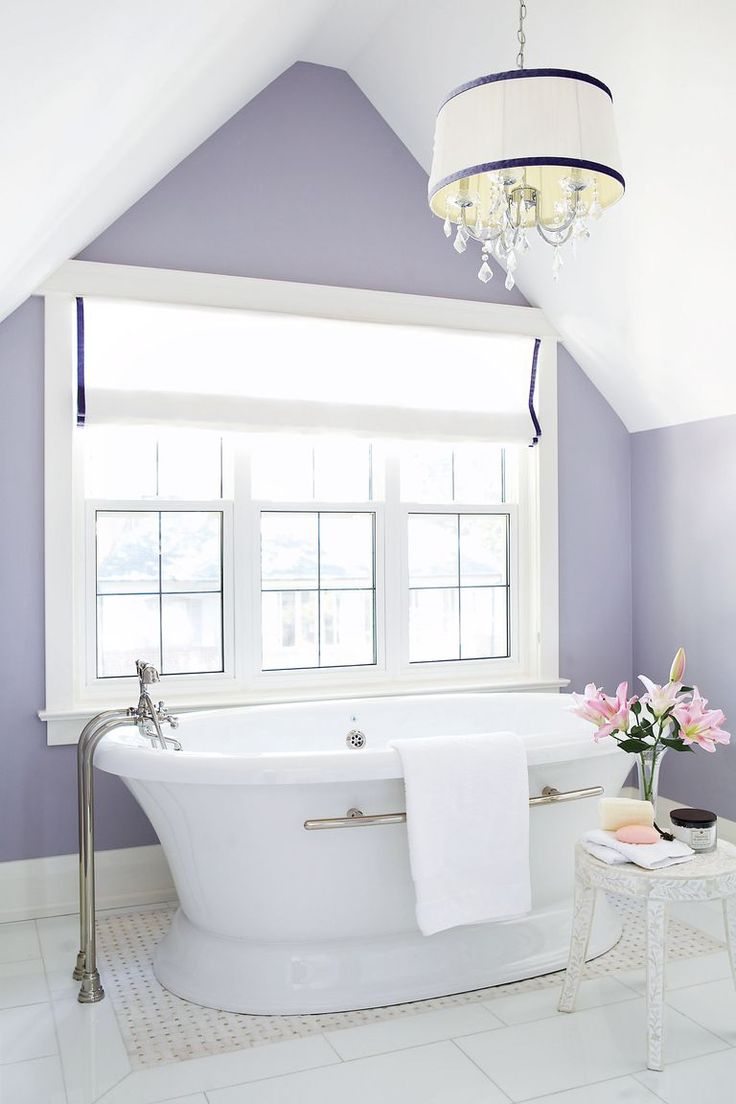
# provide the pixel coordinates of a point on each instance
(705, 878)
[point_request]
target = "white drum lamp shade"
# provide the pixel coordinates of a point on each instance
(556, 125)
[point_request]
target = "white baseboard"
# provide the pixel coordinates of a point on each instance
(665, 805)
(49, 887)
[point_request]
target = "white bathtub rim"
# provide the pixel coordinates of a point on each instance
(124, 752)
(121, 756)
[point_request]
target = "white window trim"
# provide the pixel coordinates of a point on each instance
(69, 700)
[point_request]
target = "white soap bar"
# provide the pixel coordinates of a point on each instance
(619, 812)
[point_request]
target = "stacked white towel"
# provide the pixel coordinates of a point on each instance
(467, 816)
(652, 856)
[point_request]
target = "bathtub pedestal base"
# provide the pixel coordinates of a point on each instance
(344, 975)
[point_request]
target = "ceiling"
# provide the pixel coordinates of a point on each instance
(99, 101)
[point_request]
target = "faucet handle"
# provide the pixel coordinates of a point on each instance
(147, 674)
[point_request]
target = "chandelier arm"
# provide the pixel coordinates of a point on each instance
(551, 241)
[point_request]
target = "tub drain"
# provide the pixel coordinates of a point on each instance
(355, 738)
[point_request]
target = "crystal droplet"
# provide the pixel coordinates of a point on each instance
(509, 281)
(523, 244)
(460, 242)
(595, 210)
(511, 261)
(556, 263)
(485, 272)
(448, 227)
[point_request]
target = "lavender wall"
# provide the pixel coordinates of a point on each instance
(306, 183)
(684, 524)
(595, 556)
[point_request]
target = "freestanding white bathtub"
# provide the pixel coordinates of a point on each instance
(274, 918)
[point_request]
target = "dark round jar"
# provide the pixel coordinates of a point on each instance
(698, 828)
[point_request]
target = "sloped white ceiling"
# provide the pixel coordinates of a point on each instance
(98, 101)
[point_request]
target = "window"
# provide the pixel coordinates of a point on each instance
(322, 516)
(318, 589)
(360, 549)
(156, 573)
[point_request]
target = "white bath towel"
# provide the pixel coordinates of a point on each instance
(652, 856)
(467, 815)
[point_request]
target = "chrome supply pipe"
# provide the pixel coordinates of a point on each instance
(142, 715)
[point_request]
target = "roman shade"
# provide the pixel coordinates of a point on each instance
(143, 363)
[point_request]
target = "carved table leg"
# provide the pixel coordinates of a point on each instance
(583, 908)
(729, 916)
(656, 940)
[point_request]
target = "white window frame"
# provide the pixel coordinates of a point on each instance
(72, 697)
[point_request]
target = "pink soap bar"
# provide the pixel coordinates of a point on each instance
(637, 833)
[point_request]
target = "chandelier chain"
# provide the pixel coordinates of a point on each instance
(520, 35)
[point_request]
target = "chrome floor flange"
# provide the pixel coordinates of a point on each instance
(145, 713)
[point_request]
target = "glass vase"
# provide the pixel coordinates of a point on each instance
(647, 769)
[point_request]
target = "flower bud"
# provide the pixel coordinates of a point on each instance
(677, 670)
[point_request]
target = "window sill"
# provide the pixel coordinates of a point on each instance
(65, 725)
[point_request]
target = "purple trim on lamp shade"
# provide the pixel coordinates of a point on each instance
(532, 388)
(519, 74)
(524, 162)
(81, 398)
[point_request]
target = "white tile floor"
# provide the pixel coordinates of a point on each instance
(512, 1048)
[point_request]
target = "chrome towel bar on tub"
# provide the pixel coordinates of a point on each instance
(357, 819)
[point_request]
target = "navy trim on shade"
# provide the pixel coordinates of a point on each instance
(532, 388)
(81, 397)
(523, 162)
(521, 74)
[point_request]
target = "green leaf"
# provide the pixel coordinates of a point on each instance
(634, 745)
(636, 708)
(686, 689)
(676, 745)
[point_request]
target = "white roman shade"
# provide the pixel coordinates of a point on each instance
(150, 363)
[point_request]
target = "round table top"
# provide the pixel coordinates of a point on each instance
(718, 868)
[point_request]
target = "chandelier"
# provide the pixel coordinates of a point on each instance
(524, 150)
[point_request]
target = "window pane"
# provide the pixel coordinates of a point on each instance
(478, 474)
(433, 551)
(190, 550)
(289, 629)
(483, 540)
(483, 622)
(127, 553)
(119, 462)
(282, 469)
(426, 473)
(346, 550)
(346, 627)
(433, 625)
(127, 630)
(288, 551)
(189, 465)
(342, 471)
(191, 628)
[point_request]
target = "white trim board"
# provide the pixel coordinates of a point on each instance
(30, 888)
(204, 289)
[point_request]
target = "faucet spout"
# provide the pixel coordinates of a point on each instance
(146, 711)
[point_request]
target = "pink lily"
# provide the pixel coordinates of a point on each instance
(699, 725)
(660, 698)
(606, 713)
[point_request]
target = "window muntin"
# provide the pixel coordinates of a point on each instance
(318, 589)
(159, 591)
(459, 593)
